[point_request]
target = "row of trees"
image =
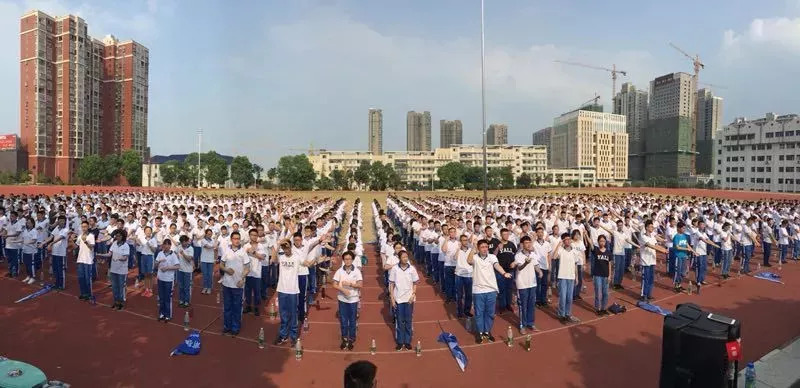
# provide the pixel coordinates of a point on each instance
(213, 169)
(456, 175)
(100, 170)
(295, 172)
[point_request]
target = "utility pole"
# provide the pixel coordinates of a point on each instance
(483, 114)
(199, 148)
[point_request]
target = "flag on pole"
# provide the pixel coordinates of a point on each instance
(769, 276)
(190, 346)
(455, 350)
(45, 289)
(653, 308)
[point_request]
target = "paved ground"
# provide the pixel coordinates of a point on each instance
(778, 368)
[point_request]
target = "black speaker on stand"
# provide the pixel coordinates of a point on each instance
(695, 349)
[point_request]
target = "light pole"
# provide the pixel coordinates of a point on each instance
(199, 148)
(483, 114)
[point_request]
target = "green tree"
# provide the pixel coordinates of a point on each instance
(215, 167)
(501, 178)
(451, 175)
(296, 172)
(341, 179)
(130, 166)
(524, 181)
(242, 171)
(324, 183)
(363, 174)
(257, 170)
(169, 172)
(91, 170)
(473, 178)
(272, 173)
(382, 177)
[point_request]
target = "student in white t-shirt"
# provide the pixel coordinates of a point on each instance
(207, 259)
(348, 280)
(118, 252)
(85, 242)
(57, 245)
(252, 283)
(289, 261)
(30, 248)
(526, 263)
(567, 275)
(647, 252)
(484, 289)
(234, 264)
(463, 279)
(403, 280)
(185, 253)
(167, 263)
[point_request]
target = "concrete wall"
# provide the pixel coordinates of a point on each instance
(13, 160)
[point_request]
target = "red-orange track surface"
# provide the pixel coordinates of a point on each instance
(94, 346)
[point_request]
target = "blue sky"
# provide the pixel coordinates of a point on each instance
(269, 78)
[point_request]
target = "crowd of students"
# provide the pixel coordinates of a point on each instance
(510, 257)
(519, 250)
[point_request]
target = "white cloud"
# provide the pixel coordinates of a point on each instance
(779, 33)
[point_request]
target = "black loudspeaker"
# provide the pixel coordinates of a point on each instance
(694, 352)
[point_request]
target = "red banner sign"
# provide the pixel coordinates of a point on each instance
(8, 142)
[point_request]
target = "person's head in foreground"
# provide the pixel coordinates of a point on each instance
(360, 374)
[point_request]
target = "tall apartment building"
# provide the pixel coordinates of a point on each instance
(375, 131)
(709, 120)
(78, 96)
(497, 134)
(589, 140)
(669, 145)
(542, 137)
(759, 155)
(633, 104)
(418, 131)
(450, 133)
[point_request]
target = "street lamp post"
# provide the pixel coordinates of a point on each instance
(199, 148)
(483, 114)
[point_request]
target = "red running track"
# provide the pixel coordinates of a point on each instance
(96, 346)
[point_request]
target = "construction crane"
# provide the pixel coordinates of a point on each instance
(698, 65)
(593, 99)
(310, 151)
(613, 70)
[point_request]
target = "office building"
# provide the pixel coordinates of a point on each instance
(418, 131)
(633, 104)
(709, 121)
(542, 137)
(450, 133)
(497, 134)
(419, 168)
(375, 131)
(589, 140)
(79, 96)
(668, 141)
(759, 155)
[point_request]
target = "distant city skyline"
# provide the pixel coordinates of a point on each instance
(306, 70)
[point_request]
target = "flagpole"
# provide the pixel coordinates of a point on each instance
(483, 113)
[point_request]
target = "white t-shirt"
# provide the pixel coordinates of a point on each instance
(119, 262)
(451, 252)
(568, 259)
(483, 279)
(403, 280)
(353, 275)
(463, 268)
(648, 254)
(60, 246)
(620, 239)
(255, 262)
(164, 260)
(85, 253)
(207, 251)
(186, 263)
(287, 275)
(543, 250)
(701, 248)
(526, 278)
(238, 261)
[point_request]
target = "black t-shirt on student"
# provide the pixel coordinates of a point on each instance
(601, 260)
(493, 243)
(505, 256)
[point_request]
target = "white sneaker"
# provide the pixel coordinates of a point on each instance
(31, 281)
(26, 279)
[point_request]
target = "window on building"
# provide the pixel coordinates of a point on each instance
(768, 135)
(780, 169)
(780, 181)
(727, 179)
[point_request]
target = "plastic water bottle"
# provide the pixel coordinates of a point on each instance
(750, 376)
